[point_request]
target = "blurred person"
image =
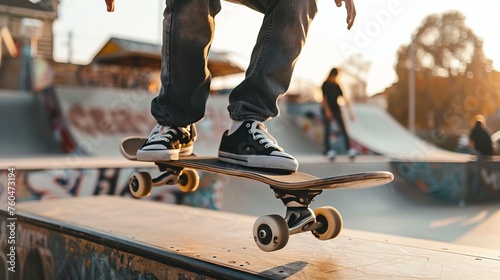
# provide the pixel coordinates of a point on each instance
(480, 137)
(188, 31)
(332, 111)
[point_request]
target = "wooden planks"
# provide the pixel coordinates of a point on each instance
(226, 240)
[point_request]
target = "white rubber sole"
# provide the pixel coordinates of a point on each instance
(270, 162)
(163, 155)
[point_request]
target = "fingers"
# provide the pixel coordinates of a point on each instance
(351, 11)
(110, 5)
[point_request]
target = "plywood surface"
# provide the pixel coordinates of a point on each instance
(226, 239)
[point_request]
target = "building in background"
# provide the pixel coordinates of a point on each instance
(14, 12)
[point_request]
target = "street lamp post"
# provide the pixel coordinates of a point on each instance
(411, 87)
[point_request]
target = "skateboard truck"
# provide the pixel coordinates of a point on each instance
(295, 198)
(141, 183)
(271, 232)
(169, 175)
(299, 217)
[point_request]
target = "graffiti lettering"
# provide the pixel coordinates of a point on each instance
(491, 179)
(62, 182)
(97, 121)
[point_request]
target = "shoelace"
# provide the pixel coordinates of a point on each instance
(259, 131)
(169, 132)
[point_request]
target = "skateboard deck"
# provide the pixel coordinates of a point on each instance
(275, 178)
(295, 189)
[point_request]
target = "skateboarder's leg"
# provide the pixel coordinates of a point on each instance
(326, 133)
(347, 141)
(187, 34)
(279, 42)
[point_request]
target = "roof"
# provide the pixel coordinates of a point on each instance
(119, 51)
(128, 52)
(26, 4)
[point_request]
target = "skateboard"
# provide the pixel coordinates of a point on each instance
(295, 189)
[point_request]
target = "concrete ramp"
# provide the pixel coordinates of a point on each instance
(374, 132)
(110, 237)
(25, 130)
(375, 129)
(98, 119)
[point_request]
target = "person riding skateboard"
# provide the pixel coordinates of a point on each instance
(188, 30)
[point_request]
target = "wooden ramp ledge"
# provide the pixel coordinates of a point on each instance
(205, 241)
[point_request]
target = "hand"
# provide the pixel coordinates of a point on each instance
(110, 5)
(351, 11)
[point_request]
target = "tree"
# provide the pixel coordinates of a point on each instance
(451, 73)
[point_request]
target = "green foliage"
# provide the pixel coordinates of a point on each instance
(453, 77)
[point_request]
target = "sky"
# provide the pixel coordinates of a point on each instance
(381, 27)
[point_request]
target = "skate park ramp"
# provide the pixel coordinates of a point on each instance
(25, 128)
(373, 132)
(98, 119)
(111, 237)
(94, 120)
(376, 130)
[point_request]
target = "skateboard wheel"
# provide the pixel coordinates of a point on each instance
(189, 180)
(270, 233)
(140, 184)
(331, 220)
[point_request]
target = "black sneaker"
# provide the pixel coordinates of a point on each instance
(251, 145)
(168, 143)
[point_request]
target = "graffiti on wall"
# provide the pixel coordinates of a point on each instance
(486, 182)
(48, 254)
(452, 182)
(62, 183)
(490, 178)
(441, 180)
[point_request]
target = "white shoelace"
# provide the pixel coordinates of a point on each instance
(167, 131)
(263, 135)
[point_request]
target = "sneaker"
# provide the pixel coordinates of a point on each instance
(251, 145)
(331, 154)
(168, 143)
(352, 152)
